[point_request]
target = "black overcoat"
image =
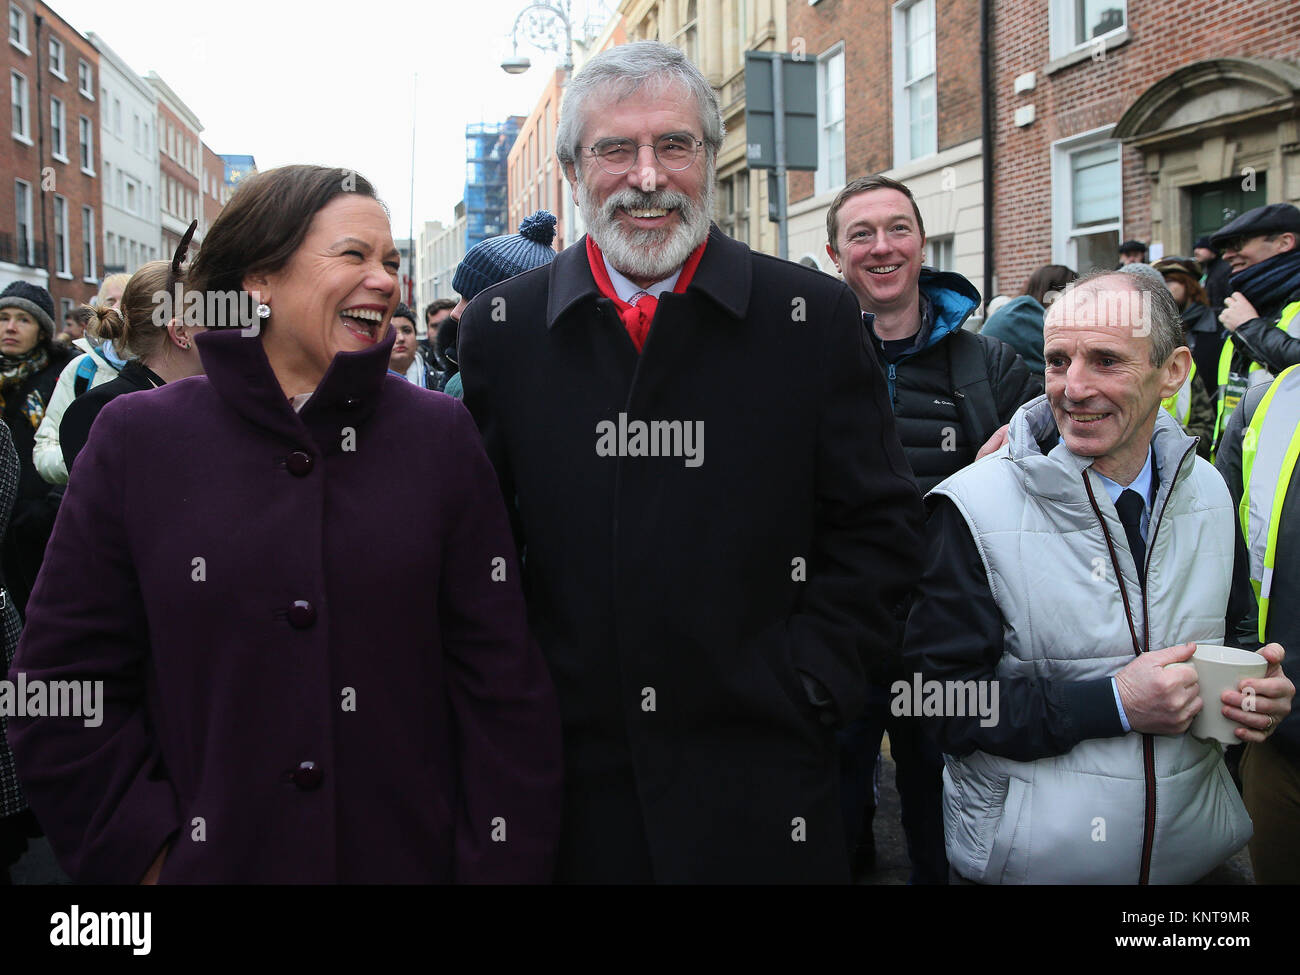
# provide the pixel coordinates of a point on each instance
(677, 598)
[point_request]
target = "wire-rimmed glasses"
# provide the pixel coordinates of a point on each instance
(673, 152)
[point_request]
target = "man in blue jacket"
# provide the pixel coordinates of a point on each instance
(950, 390)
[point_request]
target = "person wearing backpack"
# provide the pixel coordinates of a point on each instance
(99, 363)
(950, 389)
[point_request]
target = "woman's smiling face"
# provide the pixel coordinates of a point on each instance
(338, 291)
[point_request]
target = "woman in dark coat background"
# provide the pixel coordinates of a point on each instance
(30, 363)
(223, 561)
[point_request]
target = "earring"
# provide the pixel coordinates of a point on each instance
(264, 310)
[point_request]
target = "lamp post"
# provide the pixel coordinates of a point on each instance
(548, 26)
(542, 23)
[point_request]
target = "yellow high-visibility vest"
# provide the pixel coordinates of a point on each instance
(1179, 406)
(1225, 403)
(1269, 449)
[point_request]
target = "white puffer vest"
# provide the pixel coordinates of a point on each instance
(1127, 810)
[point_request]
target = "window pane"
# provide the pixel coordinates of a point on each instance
(1097, 17)
(61, 234)
(1095, 252)
(835, 153)
(835, 89)
(19, 103)
(920, 40)
(923, 132)
(939, 253)
(88, 240)
(23, 202)
(830, 163)
(1095, 185)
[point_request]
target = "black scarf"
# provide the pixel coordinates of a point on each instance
(1268, 284)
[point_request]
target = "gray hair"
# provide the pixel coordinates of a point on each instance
(1156, 311)
(620, 72)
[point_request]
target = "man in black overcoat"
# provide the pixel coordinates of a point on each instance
(715, 517)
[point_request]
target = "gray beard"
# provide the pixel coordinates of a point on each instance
(655, 253)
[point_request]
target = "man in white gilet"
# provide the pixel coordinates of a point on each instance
(1067, 571)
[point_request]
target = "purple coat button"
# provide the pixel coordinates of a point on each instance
(302, 614)
(300, 463)
(307, 776)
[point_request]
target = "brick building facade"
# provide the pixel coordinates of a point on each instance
(898, 94)
(24, 252)
(1136, 121)
(214, 186)
(180, 165)
(534, 178)
(50, 203)
(715, 34)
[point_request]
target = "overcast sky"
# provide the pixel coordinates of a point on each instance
(332, 83)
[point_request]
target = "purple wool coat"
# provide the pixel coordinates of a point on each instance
(312, 639)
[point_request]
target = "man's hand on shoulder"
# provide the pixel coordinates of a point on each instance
(995, 442)
(1159, 699)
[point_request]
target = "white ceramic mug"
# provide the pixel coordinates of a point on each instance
(1219, 669)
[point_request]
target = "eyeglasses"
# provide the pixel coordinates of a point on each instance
(673, 152)
(1237, 243)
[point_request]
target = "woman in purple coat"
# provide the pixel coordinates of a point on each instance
(223, 564)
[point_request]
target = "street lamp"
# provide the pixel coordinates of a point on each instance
(542, 24)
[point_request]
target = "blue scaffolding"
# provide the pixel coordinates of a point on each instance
(487, 146)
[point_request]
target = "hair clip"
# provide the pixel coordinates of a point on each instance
(183, 248)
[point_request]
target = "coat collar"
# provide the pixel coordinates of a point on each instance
(1056, 475)
(724, 275)
(237, 367)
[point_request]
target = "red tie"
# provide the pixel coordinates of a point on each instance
(638, 315)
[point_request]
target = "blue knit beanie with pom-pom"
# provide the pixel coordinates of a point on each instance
(494, 260)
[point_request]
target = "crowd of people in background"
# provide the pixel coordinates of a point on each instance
(640, 670)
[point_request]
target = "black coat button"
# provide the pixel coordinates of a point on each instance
(307, 776)
(300, 463)
(302, 614)
(351, 403)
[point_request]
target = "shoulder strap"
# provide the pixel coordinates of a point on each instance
(969, 370)
(85, 373)
(1250, 401)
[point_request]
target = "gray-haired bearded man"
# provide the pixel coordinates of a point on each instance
(705, 612)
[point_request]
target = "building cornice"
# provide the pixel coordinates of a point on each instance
(173, 101)
(106, 53)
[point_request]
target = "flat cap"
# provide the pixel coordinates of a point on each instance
(1272, 218)
(1185, 264)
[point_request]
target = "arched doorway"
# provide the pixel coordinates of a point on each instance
(1217, 138)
